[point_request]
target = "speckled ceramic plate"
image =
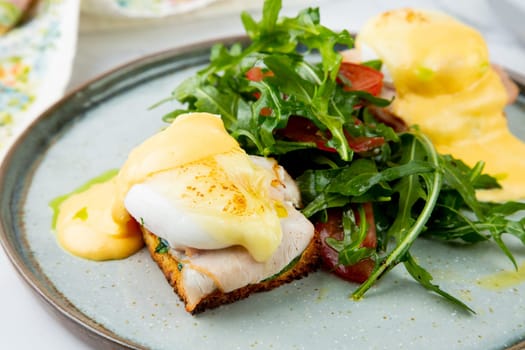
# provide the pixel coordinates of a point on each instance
(130, 303)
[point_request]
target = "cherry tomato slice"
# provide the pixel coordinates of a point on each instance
(363, 78)
(333, 228)
(364, 143)
(303, 130)
(257, 74)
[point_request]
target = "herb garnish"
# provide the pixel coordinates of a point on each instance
(414, 190)
(82, 214)
(162, 246)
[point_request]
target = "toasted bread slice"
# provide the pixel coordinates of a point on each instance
(171, 267)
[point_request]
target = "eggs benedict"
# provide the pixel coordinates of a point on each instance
(446, 86)
(220, 224)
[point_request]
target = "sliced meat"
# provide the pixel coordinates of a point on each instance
(232, 268)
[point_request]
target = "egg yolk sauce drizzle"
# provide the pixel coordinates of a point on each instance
(94, 224)
(446, 86)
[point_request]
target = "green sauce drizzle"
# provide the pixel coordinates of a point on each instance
(82, 214)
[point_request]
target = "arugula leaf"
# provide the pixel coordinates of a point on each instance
(460, 181)
(292, 83)
(425, 279)
(505, 209)
(324, 201)
(375, 64)
(271, 11)
(356, 179)
(455, 224)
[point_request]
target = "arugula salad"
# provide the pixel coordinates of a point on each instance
(370, 188)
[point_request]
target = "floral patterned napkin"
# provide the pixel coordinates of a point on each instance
(35, 64)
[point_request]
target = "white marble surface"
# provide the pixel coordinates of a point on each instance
(26, 322)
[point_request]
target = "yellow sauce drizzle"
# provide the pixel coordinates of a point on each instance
(504, 279)
(84, 224)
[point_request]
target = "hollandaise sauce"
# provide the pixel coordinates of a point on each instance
(212, 188)
(446, 86)
(85, 226)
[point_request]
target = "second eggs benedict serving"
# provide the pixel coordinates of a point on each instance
(445, 84)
